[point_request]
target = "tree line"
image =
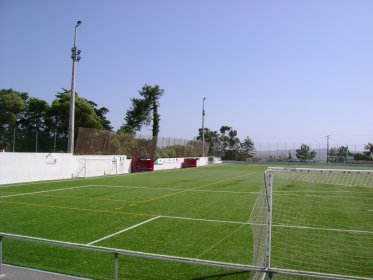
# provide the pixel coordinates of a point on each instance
(31, 124)
(334, 154)
(226, 144)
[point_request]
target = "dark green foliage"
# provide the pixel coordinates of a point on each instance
(37, 126)
(226, 143)
(144, 110)
(304, 153)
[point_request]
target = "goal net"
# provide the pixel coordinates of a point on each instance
(91, 167)
(314, 223)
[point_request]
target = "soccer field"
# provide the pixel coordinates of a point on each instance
(198, 213)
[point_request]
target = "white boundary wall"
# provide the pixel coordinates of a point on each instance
(29, 167)
(174, 163)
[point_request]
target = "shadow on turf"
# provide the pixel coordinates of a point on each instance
(218, 276)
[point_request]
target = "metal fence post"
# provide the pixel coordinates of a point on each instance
(115, 266)
(1, 254)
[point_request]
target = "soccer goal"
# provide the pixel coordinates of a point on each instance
(314, 223)
(90, 167)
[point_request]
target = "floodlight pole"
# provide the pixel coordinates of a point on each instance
(327, 148)
(203, 127)
(75, 56)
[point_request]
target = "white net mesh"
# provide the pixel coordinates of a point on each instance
(322, 222)
(258, 222)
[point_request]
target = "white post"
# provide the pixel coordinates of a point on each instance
(115, 266)
(269, 182)
(85, 169)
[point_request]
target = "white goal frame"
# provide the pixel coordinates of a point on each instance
(265, 225)
(101, 167)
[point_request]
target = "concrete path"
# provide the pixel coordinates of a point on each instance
(11, 272)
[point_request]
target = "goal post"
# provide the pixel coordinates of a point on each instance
(91, 167)
(314, 223)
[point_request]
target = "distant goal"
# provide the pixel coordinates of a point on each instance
(314, 223)
(91, 167)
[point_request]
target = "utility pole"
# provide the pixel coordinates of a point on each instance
(203, 127)
(327, 148)
(75, 56)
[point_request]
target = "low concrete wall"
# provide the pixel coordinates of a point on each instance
(168, 163)
(29, 167)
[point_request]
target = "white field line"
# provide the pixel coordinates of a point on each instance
(31, 193)
(203, 220)
(173, 189)
(220, 241)
(274, 225)
(318, 191)
(123, 230)
(326, 229)
(323, 196)
(32, 183)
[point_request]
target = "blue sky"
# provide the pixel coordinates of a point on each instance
(284, 71)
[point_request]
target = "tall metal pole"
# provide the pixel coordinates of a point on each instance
(75, 57)
(36, 142)
(14, 139)
(327, 148)
(203, 127)
(54, 144)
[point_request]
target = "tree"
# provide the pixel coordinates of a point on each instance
(212, 138)
(304, 153)
(247, 147)
(12, 106)
(33, 128)
(229, 141)
(87, 115)
(338, 154)
(101, 113)
(144, 110)
(343, 151)
(226, 143)
(30, 119)
(369, 148)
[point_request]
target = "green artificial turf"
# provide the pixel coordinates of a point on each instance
(192, 213)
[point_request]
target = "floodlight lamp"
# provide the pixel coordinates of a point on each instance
(78, 23)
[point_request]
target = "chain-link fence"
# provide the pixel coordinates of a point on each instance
(333, 153)
(102, 142)
(19, 140)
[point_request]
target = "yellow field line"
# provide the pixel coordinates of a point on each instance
(77, 209)
(187, 190)
(86, 197)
